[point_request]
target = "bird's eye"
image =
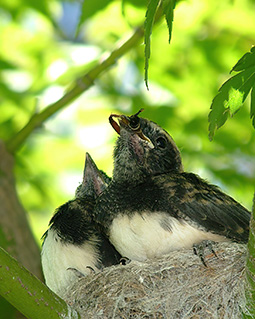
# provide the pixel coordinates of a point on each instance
(161, 142)
(134, 122)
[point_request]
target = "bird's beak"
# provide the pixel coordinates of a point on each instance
(113, 123)
(124, 121)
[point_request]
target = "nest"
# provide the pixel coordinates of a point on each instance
(175, 286)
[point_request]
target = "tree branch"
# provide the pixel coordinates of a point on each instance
(81, 85)
(250, 269)
(28, 294)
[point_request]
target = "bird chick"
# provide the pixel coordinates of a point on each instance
(152, 206)
(73, 245)
(143, 149)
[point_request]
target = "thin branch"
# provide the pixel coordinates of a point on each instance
(81, 85)
(28, 294)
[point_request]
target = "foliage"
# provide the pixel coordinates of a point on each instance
(47, 45)
(168, 10)
(41, 56)
(234, 92)
(149, 21)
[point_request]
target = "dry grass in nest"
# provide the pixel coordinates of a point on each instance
(175, 286)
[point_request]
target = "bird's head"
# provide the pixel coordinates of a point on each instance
(143, 149)
(94, 181)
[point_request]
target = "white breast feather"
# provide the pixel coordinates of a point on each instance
(57, 257)
(142, 236)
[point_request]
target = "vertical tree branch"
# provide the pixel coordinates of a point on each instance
(250, 270)
(15, 234)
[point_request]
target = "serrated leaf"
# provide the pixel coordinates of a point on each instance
(218, 114)
(168, 9)
(246, 61)
(252, 112)
(89, 8)
(148, 24)
(241, 86)
(230, 98)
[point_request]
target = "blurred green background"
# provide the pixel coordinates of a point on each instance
(41, 54)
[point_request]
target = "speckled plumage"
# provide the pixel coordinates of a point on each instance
(148, 181)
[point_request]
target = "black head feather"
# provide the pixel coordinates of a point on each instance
(147, 150)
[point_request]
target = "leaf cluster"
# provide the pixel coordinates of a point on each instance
(167, 6)
(234, 92)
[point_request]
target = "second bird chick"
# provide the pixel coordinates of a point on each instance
(73, 245)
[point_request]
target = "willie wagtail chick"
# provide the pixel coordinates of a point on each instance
(73, 245)
(152, 206)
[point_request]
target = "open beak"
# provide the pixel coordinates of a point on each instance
(125, 122)
(113, 123)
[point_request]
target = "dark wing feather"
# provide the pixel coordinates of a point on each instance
(200, 203)
(74, 224)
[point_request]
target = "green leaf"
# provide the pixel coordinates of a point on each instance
(218, 114)
(168, 9)
(246, 61)
(230, 98)
(235, 100)
(241, 86)
(149, 19)
(252, 112)
(89, 8)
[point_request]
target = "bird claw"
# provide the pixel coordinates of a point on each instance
(76, 272)
(199, 250)
(124, 261)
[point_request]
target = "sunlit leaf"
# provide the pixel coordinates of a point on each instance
(230, 98)
(235, 100)
(168, 8)
(150, 16)
(246, 61)
(218, 114)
